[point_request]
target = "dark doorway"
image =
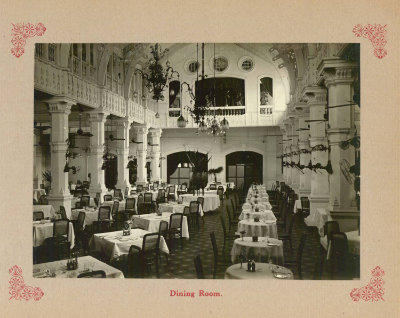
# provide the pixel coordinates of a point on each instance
(179, 168)
(111, 173)
(244, 168)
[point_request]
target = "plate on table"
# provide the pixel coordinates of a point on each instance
(281, 273)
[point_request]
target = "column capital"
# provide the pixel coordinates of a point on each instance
(141, 129)
(60, 104)
(123, 122)
(334, 71)
(155, 132)
(315, 95)
(97, 116)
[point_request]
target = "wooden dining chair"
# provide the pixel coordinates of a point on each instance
(199, 267)
(38, 215)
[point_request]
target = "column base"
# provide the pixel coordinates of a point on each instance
(57, 200)
(316, 202)
(123, 186)
(141, 182)
(303, 192)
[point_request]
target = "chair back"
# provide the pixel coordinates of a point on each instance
(85, 200)
(143, 208)
(194, 207)
(132, 192)
(163, 227)
(151, 242)
(108, 197)
(305, 203)
(43, 200)
(104, 213)
(38, 215)
(61, 228)
(140, 199)
(201, 201)
(331, 227)
(63, 213)
(175, 221)
(215, 251)
(300, 250)
(130, 204)
(339, 250)
(148, 197)
(115, 207)
(118, 193)
(126, 191)
(93, 274)
(139, 188)
(161, 193)
(213, 186)
(186, 211)
(221, 218)
(199, 267)
(80, 222)
(184, 186)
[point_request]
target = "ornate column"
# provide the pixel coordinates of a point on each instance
(155, 135)
(97, 120)
(304, 149)
(319, 197)
(141, 136)
(37, 158)
(123, 125)
(339, 79)
(59, 108)
(295, 157)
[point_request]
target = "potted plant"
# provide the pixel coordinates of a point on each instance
(214, 172)
(47, 180)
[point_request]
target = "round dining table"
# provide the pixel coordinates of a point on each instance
(264, 228)
(264, 250)
(263, 271)
(211, 201)
(250, 214)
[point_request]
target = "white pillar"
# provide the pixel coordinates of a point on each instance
(97, 184)
(37, 160)
(141, 136)
(59, 108)
(305, 157)
(155, 135)
(123, 126)
(319, 197)
(339, 79)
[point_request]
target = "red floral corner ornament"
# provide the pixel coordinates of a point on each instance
(376, 34)
(20, 32)
(374, 290)
(18, 289)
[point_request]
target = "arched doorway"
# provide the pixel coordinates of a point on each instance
(179, 168)
(244, 168)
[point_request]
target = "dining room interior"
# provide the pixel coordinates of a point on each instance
(196, 161)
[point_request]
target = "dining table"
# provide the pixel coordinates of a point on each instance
(78, 199)
(262, 271)
(113, 245)
(264, 250)
(264, 228)
(175, 207)
(211, 201)
(58, 269)
(151, 222)
(251, 214)
(91, 215)
(44, 229)
(48, 210)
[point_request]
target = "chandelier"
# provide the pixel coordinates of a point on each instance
(202, 113)
(156, 77)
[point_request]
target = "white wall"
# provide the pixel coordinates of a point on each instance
(258, 139)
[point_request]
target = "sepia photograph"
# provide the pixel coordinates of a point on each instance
(196, 161)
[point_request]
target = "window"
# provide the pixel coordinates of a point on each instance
(193, 67)
(52, 52)
(266, 95)
(220, 64)
(91, 54)
(230, 91)
(246, 63)
(75, 50)
(39, 49)
(84, 52)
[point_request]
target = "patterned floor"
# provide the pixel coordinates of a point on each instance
(181, 264)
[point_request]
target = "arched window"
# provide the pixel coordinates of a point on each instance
(174, 98)
(266, 92)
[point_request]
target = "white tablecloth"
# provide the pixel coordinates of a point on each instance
(114, 245)
(59, 268)
(151, 222)
(249, 214)
(175, 208)
(43, 231)
(121, 206)
(48, 210)
(265, 228)
(264, 250)
(211, 201)
(297, 206)
(263, 271)
(37, 193)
